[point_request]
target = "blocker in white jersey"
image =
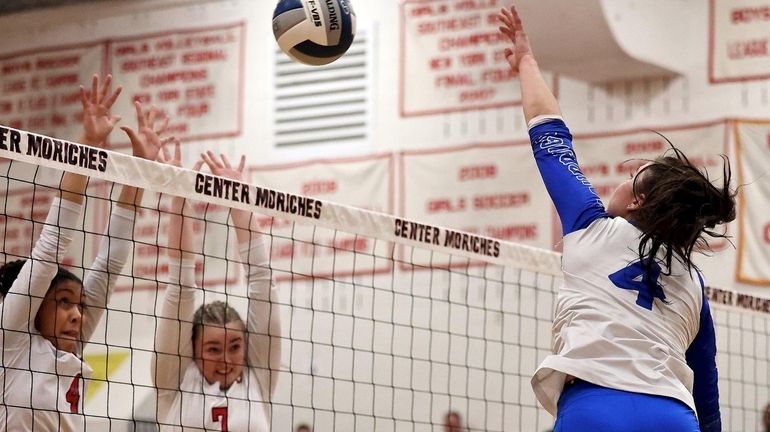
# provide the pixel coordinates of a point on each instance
(213, 371)
(48, 313)
(634, 345)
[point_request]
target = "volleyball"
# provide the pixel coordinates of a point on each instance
(314, 32)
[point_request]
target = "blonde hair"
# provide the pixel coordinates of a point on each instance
(216, 312)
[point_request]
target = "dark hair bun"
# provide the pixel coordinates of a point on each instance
(8, 273)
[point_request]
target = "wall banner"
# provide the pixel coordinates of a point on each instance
(310, 251)
(739, 41)
(452, 58)
(753, 148)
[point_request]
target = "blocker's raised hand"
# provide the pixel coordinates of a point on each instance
(98, 120)
(220, 166)
(147, 141)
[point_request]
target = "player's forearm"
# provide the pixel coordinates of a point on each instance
(73, 187)
(537, 98)
(245, 224)
(130, 197)
(114, 249)
(181, 231)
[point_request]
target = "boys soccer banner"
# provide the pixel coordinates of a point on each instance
(364, 183)
(740, 41)
(753, 147)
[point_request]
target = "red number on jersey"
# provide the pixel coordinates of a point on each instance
(73, 394)
(219, 415)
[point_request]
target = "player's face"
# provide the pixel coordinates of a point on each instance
(59, 318)
(623, 202)
(220, 353)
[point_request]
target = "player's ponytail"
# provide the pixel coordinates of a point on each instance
(680, 209)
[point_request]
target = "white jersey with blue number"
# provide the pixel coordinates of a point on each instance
(617, 324)
(614, 336)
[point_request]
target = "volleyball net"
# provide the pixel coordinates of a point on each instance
(385, 323)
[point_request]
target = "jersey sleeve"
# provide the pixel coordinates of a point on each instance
(573, 196)
(264, 321)
(701, 357)
(173, 335)
(99, 279)
(30, 287)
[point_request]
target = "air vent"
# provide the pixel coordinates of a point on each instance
(323, 104)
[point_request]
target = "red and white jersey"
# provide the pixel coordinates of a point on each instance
(200, 406)
(186, 401)
(51, 382)
(44, 388)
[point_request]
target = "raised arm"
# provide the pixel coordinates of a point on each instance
(173, 335)
(116, 244)
(27, 292)
(572, 194)
(537, 98)
(263, 320)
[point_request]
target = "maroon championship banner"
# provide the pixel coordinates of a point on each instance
(195, 76)
(40, 88)
(452, 58)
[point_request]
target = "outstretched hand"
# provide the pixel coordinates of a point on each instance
(98, 120)
(175, 160)
(147, 142)
(221, 166)
(514, 29)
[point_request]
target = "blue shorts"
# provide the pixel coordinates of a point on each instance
(585, 407)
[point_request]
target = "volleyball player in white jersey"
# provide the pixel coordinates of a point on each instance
(634, 346)
(212, 371)
(48, 314)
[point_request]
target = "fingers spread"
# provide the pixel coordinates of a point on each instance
(177, 149)
(105, 88)
(139, 114)
(164, 126)
(113, 97)
(94, 88)
(84, 97)
(165, 152)
(131, 134)
(150, 121)
(225, 161)
(242, 164)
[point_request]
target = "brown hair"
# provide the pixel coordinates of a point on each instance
(680, 209)
(216, 312)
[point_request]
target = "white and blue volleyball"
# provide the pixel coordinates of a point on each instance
(314, 32)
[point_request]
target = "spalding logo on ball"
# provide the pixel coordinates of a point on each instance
(314, 32)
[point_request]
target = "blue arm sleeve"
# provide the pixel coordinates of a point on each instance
(701, 357)
(575, 199)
